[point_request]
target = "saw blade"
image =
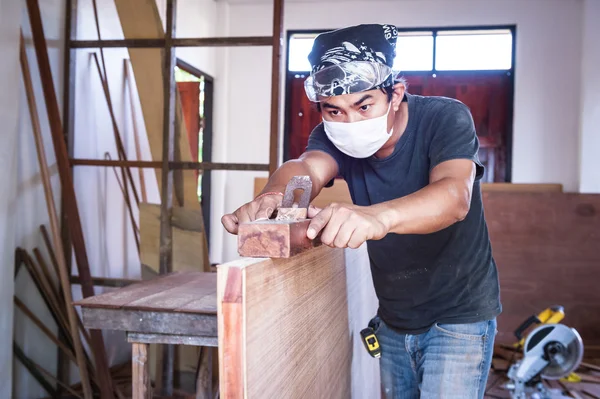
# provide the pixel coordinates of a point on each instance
(566, 359)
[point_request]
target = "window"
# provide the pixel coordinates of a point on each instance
(473, 50)
(414, 51)
(299, 48)
(454, 50)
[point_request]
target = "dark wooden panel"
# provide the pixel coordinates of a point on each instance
(150, 322)
(546, 246)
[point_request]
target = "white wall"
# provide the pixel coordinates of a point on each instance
(10, 13)
(107, 231)
(548, 61)
(30, 211)
(590, 100)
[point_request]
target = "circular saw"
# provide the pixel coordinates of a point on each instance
(551, 351)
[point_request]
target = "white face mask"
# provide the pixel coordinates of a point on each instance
(359, 139)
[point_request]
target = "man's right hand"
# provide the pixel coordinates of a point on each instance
(261, 208)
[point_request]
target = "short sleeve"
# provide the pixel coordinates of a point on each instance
(318, 141)
(454, 137)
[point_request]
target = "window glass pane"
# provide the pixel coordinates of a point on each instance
(414, 52)
(474, 50)
(300, 46)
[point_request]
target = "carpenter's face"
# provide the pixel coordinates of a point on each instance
(355, 107)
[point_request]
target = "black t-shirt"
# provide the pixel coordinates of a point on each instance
(445, 277)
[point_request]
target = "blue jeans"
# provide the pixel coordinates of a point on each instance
(448, 361)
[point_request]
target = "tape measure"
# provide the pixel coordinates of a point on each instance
(370, 339)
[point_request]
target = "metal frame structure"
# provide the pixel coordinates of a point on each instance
(167, 164)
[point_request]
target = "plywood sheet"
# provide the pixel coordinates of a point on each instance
(285, 330)
(546, 248)
(188, 238)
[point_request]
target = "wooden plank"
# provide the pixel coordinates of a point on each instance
(73, 328)
(68, 191)
(176, 297)
(277, 45)
(140, 372)
(188, 237)
(285, 329)
(182, 42)
(140, 19)
(118, 298)
(274, 238)
(177, 323)
(207, 304)
(188, 340)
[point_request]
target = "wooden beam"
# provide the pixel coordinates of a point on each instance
(175, 323)
(62, 160)
(189, 340)
(54, 226)
(183, 42)
(173, 164)
(106, 282)
(275, 74)
(289, 328)
(35, 372)
(140, 372)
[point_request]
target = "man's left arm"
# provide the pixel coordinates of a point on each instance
(443, 202)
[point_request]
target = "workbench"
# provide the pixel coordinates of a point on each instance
(179, 308)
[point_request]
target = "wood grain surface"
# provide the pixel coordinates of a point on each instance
(285, 330)
(546, 246)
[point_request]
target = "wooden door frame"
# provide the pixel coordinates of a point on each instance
(207, 134)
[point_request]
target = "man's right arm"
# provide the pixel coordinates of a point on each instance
(320, 166)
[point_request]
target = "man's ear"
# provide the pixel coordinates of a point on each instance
(398, 95)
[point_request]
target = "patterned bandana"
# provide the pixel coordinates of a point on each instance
(373, 43)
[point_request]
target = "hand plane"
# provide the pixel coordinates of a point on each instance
(284, 235)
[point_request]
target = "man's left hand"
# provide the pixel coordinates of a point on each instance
(345, 225)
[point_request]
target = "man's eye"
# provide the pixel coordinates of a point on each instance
(365, 107)
(335, 112)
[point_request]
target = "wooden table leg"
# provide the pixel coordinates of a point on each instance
(204, 379)
(141, 388)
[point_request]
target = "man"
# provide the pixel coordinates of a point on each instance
(412, 169)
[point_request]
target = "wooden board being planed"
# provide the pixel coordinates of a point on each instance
(289, 328)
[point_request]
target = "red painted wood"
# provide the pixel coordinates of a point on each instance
(189, 94)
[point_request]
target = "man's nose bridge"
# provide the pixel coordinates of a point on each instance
(354, 117)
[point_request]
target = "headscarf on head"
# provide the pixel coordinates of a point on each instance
(355, 59)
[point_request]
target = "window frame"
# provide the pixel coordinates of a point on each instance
(290, 75)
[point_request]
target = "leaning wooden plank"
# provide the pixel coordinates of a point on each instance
(189, 252)
(285, 331)
(141, 19)
(54, 226)
(274, 238)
